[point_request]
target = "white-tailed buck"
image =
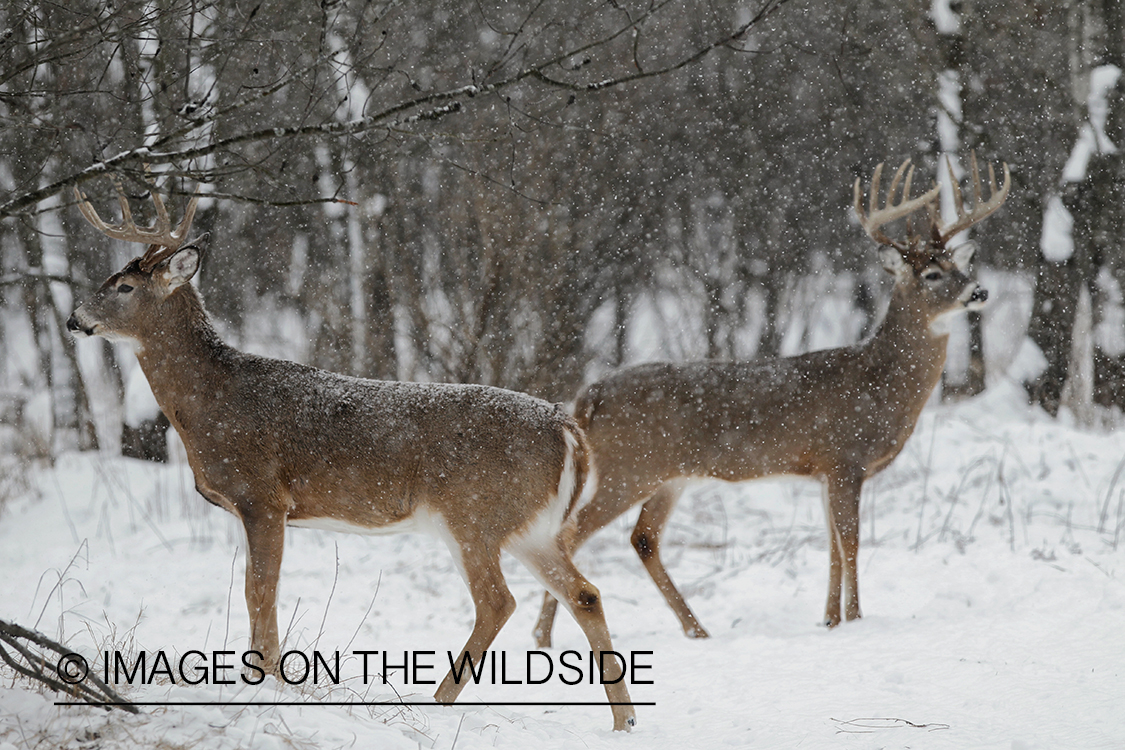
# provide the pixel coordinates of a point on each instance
(840, 415)
(278, 443)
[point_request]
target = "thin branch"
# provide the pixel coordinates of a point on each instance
(25, 277)
(424, 108)
(240, 198)
(767, 9)
(38, 667)
(257, 96)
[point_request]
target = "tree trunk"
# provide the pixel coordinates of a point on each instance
(1108, 387)
(972, 381)
(1052, 321)
(147, 441)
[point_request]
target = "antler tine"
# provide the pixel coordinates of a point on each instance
(88, 211)
(906, 186)
(873, 204)
(160, 233)
(126, 213)
(189, 217)
(157, 253)
(958, 199)
(897, 179)
(981, 208)
(876, 217)
(116, 231)
(161, 219)
(976, 177)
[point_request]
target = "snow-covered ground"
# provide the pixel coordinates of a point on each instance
(992, 576)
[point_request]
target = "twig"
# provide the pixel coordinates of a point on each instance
(331, 593)
(378, 583)
(38, 667)
(26, 277)
(1006, 500)
(458, 733)
(1104, 515)
(426, 107)
(925, 487)
(869, 726)
(979, 461)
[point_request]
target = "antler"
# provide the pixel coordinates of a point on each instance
(876, 217)
(163, 241)
(980, 209)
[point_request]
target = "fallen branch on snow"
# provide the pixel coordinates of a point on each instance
(29, 660)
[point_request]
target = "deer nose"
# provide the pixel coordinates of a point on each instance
(979, 295)
(77, 328)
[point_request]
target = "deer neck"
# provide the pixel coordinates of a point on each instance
(905, 348)
(181, 355)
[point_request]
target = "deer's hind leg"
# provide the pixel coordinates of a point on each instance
(552, 565)
(609, 502)
(588, 522)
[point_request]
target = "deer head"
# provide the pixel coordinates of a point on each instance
(935, 275)
(128, 304)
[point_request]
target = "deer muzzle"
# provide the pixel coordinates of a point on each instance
(76, 328)
(977, 299)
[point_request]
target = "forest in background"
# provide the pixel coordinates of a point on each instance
(487, 192)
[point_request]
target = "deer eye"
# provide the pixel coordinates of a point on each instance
(932, 275)
(124, 289)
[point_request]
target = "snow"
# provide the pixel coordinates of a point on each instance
(1091, 136)
(945, 19)
(140, 405)
(991, 574)
(1056, 241)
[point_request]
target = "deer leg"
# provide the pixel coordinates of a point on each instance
(832, 607)
(556, 570)
(265, 541)
(842, 493)
(494, 605)
(546, 622)
(590, 519)
(646, 541)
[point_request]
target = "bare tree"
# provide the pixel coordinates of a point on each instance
(328, 112)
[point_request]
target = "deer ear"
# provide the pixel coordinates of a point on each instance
(962, 254)
(179, 269)
(893, 262)
(184, 263)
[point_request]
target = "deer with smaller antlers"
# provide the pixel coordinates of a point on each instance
(279, 443)
(839, 415)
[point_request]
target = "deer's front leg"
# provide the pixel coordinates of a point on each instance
(494, 605)
(265, 541)
(841, 507)
(646, 541)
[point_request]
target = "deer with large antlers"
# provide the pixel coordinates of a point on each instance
(278, 443)
(840, 415)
